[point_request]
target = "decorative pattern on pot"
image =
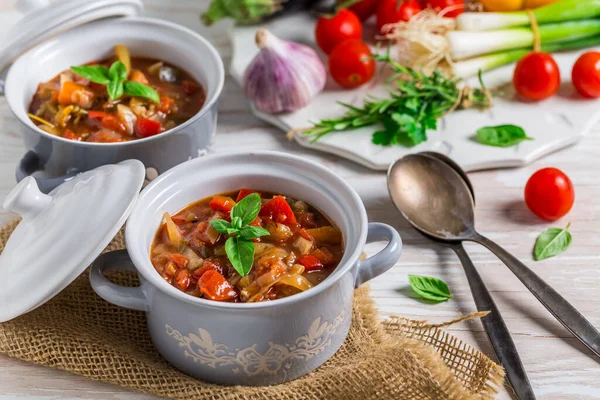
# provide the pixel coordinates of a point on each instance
(203, 350)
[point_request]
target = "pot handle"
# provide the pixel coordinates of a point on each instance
(384, 260)
(30, 163)
(128, 297)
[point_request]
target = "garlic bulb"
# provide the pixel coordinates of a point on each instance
(284, 76)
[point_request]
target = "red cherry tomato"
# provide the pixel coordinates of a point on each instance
(330, 31)
(351, 63)
(457, 7)
(146, 127)
(392, 11)
(363, 9)
(536, 76)
(586, 74)
(549, 194)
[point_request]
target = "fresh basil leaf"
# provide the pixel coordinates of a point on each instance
(552, 242)
(241, 254)
(114, 89)
(117, 71)
(220, 225)
(502, 135)
(140, 90)
(93, 73)
(252, 232)
(429, 288)
(247, 209)
(236, 223)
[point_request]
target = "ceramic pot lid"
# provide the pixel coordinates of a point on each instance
(62, 233)
(44, 19)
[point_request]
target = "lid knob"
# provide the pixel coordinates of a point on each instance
(26, 199)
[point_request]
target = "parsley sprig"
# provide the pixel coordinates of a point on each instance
(416, 102)
(239, 246)
(115, 79)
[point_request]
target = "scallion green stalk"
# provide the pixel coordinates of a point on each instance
(566, 10)
(242, 11)
(471, 67)
(464, 45)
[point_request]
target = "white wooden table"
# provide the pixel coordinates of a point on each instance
(558, 366)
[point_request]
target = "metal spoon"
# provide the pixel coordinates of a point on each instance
(434, 198)
(497, 332)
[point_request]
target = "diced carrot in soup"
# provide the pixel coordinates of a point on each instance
(76, 94)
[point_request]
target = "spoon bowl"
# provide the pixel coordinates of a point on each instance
(433, 197)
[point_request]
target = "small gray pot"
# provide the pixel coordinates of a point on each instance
(256, 343)
(54, 159)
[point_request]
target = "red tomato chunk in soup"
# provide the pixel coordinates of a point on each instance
(76, 108)
(301, 249)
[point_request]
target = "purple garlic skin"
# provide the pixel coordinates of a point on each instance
(284, 76)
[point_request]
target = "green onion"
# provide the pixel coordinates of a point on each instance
(242, 11)
(469, 68)
(469, 44)
(566, 10)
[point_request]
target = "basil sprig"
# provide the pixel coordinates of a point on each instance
(115, 80)
(430, 288)
(552, 242)
(502, 135)
(239, 246)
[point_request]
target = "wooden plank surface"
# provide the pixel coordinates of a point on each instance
(558, 366)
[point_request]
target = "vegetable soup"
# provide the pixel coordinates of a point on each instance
(258, 247)
(118, 99)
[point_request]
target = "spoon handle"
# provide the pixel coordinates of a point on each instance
(562, 310)
(496, 330)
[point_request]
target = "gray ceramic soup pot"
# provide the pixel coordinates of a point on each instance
(257, 343)
(54, 159)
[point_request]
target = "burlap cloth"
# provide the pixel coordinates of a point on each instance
(79, 332)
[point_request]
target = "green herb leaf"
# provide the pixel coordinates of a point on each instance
(429, 288)
(114, 89)
(117, 71)
(236, 223)
(252, 232)
(241, 254)
(502, 135)
(94, 73)
(247, 209)
(552, 242)
(140, 90)
(220, 225)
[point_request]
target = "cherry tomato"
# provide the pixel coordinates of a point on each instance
(331, 31)
(351, 63)
(145, 127)
(549, 194)
(458, 6)
(586, 74)
(363, 9)
(536, 76)
(392, 11)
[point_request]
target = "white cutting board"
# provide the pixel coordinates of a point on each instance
(555, 123)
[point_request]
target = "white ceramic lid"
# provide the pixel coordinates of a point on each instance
(62, 233)
(44, 19)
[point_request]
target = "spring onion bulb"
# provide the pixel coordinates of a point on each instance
(566, 10)
(469, 44)
(471, 67)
